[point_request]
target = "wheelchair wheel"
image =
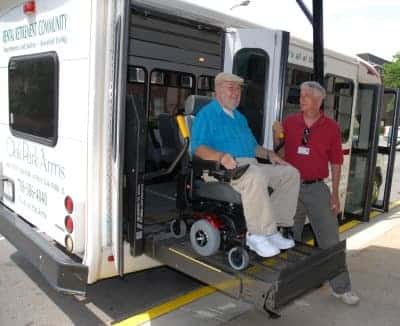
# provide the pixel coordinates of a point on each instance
(205, 239)
(178, 228)
(238, 258)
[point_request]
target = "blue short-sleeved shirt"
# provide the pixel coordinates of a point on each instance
(213, 128)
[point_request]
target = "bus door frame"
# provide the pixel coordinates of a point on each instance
(369, 152)
(390, 151)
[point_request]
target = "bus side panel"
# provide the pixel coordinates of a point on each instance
(44, 175)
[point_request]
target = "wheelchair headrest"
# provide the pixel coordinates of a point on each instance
(194, 103)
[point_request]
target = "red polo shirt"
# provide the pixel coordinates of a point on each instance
(324, 144)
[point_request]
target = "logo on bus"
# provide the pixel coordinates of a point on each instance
(34, 156)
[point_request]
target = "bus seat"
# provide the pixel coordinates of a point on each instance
(169, 134)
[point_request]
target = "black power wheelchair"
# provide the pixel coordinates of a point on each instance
(216, 220)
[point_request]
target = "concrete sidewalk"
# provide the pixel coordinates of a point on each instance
(373, 258)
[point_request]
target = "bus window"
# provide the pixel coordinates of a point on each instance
(136, 86)
(205, 86)
(294, 79)
(33, 97)
(339, 102)
(252, 65)
(168, 91)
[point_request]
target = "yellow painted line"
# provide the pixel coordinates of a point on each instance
(167, 307)
(195, 260)
(349, 225)
(394, 204)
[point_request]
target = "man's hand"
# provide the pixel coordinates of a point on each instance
(228, 161)
(275, 159)
(278, 130)
(335, 204)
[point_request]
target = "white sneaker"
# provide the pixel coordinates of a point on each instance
(261, 245)
(279, 241)
(349, 297)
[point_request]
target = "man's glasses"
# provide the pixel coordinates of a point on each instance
(306, 135)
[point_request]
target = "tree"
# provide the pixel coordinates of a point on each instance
(391, 72)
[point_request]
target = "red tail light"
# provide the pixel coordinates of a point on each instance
(69, 224)
(29, 7)
(69, 204)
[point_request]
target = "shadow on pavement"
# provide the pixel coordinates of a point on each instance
(113, 299)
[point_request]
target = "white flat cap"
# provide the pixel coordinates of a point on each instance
(228, 77)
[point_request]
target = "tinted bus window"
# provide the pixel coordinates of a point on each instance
(33, 97)
(295, 77)
(205, 86)
(168, 91)
(252, 65)
(339, 102)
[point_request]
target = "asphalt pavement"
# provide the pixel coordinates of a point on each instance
(373, 258)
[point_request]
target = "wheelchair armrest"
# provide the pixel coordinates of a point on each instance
(201, 165)
(263, 160)
(217, 170)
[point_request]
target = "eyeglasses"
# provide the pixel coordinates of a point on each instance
(306, 136)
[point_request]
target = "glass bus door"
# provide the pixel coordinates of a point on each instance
(387, 144)
(363, 170)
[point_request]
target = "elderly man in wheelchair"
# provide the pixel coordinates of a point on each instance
(221, 133)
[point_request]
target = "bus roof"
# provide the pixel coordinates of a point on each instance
(196, 12)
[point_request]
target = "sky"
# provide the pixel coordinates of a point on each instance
(350, 26)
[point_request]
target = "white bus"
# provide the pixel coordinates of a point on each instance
(75, 191)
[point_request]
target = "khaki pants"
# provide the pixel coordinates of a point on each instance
(264, 212)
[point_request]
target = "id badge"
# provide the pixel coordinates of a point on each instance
(302, 150)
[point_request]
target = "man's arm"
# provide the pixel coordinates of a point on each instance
(335, 202)
(264, 153)
(207, 153)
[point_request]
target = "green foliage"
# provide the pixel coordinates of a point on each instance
(391, 72)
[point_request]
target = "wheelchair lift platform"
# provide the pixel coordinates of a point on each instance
(268, 283)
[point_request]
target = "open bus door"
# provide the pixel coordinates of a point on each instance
(364, 153)
(260, 57)
(388, 139)
(118, 130)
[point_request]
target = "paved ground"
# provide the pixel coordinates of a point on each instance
(374, 262)
(373, 258)
(26, 299)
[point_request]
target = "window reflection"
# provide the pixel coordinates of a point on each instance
(33, 97)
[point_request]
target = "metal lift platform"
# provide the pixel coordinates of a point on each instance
(268, 283)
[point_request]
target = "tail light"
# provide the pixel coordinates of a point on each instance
(29, 7)
(69, 224)
(69, 204)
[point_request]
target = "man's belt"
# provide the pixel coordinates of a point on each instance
(308, 182)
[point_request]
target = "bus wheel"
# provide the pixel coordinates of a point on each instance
(205, 238)
(238, 258)
(178, 228)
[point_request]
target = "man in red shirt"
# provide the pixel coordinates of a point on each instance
(312, 141)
